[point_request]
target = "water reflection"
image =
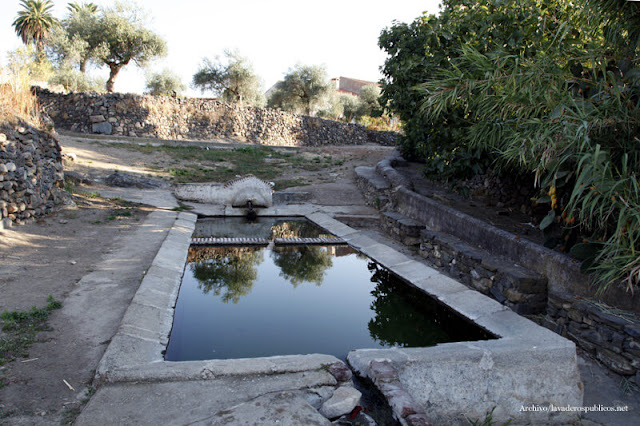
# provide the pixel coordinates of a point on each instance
(300, 264)
(358, 305)
(402, 317)
(263, 227)
(294, 229)
(232, 270)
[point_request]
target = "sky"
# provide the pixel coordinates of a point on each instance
(274, 35)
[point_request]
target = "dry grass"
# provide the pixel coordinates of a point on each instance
(16, 99)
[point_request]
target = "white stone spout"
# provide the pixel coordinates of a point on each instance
(237, 192)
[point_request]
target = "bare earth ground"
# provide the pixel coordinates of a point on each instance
(56, 254)
(52, 255)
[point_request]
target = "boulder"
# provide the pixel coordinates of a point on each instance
(104, 128)
(343, 401)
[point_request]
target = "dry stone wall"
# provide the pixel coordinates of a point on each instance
(610, 335)
(201, 119)
(30, 172)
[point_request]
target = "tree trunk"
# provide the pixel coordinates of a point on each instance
(83, 65)
(115, 69)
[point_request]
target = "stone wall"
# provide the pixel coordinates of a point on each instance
(30, 171)
(493, 261)
(522, 290)
(608, 334)
(200, 119)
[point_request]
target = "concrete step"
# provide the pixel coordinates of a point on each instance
(366, 221)
(402, 228)
(374, 187)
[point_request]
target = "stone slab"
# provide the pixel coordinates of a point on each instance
(360, 241)
(413, 271)
(286, 408)
(385, 255)
(161, 279)
(211, 369)
(127, 351)
(474, 377)
(150, 296)
(439, 285)
(506, 323)
(181, 402)
(372, 177)
(332, 225)
(151, 318)
(471, 304)
(336, 211)
(205, 209)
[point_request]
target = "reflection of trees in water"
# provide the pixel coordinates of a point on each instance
(402, 318)
(300, 264)
(229, 269)
(294, 229)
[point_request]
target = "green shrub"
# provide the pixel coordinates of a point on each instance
(75, 81)
(569, 114)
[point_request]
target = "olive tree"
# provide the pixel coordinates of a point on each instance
(75, 81)
(79, 28)
(368, 102)
(232, 79)
(164, 83)
(302, 89)
(123, 39)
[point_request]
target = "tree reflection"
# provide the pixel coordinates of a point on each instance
(300, 264)
(229, 271)
(401, 316)
(294, 229)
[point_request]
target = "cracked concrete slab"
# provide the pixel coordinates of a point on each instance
(206, 401)
(286, 408)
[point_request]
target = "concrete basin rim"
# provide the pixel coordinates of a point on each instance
(156, 368)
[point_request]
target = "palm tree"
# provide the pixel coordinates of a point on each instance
(35, 22)
(76, 7)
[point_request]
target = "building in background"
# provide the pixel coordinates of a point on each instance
(351, 86)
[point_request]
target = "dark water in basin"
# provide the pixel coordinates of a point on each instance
(253, 302)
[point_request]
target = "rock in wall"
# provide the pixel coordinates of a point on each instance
(30, 172)
(201, 119)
